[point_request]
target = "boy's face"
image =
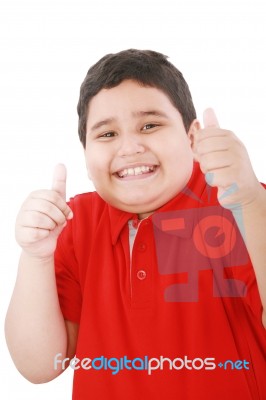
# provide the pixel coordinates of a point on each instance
(138, 153)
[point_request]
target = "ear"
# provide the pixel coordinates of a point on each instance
(193, 129)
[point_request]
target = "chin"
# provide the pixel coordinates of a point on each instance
(141, 207)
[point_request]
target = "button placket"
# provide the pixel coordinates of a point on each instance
(141, 266)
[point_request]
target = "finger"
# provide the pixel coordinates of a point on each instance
(208, 144)
(59, 180)
(28, 235)
(50, 196)
(35, 219)
(214, 161)
(210, 119)
(47, 208)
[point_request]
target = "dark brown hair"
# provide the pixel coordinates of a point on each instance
(147, 67)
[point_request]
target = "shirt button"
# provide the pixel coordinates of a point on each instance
(142, 246)
(141, 275)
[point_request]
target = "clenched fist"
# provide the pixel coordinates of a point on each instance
(225, 162)
(42, 217)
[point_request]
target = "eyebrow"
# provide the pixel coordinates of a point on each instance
(155, 113)
(101, 123)
(136, 114)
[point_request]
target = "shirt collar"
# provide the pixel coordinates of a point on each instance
(194, 193)
(118, 219)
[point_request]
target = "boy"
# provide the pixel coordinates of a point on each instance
(153, 289)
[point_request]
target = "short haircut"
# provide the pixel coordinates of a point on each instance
(147, 67)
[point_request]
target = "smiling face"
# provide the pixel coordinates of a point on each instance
(138, 153)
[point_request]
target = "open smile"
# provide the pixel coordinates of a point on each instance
(140, 171)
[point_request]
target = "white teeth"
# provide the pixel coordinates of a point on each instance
(135, 171)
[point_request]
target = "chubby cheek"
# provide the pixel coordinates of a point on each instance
(97, 165)
(179, 156)
(181, 172)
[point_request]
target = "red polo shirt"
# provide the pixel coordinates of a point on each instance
(181, 319)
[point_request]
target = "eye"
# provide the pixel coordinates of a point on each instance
(107, 135)
(148, 127)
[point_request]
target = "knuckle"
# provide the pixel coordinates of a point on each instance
(67, 210)
(40, 220)
(61, 219)
(36, 219)
(38, 234)
(49, 208)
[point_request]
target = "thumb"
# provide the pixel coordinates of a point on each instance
(210, 119)
(59, 180)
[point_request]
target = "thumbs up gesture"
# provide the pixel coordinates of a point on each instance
(225, 162)
(42, 217)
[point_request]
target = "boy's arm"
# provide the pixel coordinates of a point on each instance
(254, 235)
(225, 162)
(35, 328)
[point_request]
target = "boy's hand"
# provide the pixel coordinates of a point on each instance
(42, 217)
(225, 162)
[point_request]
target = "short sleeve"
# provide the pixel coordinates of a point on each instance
(67, 276)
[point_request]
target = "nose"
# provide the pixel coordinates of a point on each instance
(130, 145)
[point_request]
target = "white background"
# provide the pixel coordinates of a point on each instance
(46, 48)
